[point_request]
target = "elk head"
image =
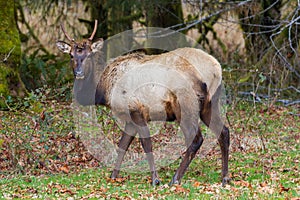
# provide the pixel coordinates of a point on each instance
(79, 50)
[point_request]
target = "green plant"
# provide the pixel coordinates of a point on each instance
(39, 70)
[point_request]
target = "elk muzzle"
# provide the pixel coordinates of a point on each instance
(78, 59)
(78, 72)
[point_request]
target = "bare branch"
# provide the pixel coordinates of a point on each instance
(193, 23)
(212, 15)
(262, 12)
(290, 30)
(8, 55)
(289, 66)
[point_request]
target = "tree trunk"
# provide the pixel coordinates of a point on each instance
(99, 12)
(10, 53)
(256, 19)
(163, 13)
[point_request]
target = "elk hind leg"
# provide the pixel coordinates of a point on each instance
(210, 115)
(189, 156)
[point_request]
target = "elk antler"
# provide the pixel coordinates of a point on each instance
(66, 34)
(94, 32)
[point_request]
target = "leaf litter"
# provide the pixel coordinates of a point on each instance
(44, 143)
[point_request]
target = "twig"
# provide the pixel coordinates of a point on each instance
(290, 32)
(262, 12)
(272, 89)
(288, 65)
(258, 98)
(8, 55)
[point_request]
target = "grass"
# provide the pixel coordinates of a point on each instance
(42, 157)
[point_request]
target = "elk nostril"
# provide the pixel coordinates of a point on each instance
(79, 72)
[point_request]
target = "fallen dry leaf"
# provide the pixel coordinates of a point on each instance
(242, 183)
(117, 180)
(283, 189)
(264, 184)
(196, 184)
(66, 191)
(179, 189)
(64, 169)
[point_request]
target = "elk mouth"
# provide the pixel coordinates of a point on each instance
(79, 76)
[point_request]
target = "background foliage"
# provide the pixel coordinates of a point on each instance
(257, 42)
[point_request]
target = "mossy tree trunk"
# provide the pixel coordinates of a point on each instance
(10, 53)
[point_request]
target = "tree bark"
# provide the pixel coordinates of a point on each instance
(257, 18)
(162, 14)
(10, 53)
(99, 12)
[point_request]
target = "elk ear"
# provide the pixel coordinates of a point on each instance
(97, 46)
(63, 46)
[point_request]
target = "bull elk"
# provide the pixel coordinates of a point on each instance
(199, 72)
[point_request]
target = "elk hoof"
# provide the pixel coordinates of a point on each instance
(226, 180)
(155, 182)
(115, 174)
(174, 181)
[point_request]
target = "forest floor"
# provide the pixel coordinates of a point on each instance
(41, 156)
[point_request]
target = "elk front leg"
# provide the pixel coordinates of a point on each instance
(144, 134)
(189, 156)
(124, 144)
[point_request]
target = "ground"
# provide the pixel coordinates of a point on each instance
(41, 156)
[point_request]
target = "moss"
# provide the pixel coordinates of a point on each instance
(8, 32)
(4, 71)
(10, 52)
(4, 88)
